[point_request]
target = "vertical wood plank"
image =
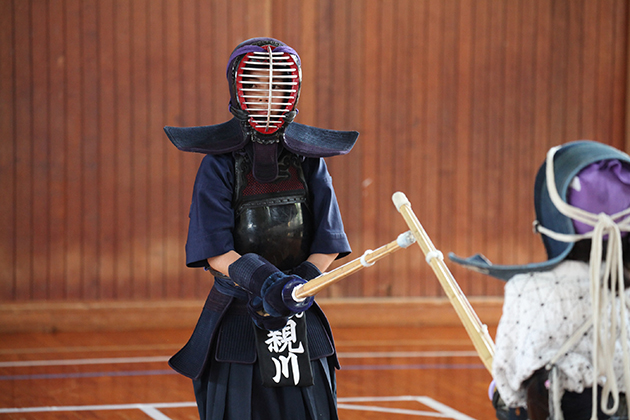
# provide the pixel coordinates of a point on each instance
(23, 152)
(386, 141)
(604, 78)
(370, 135)
(140, 149)
(213, 96)
(173, 115)
(529, 161)
(109, 147)
(419, 134)
(219, 55)
(74, 150)
(257, 18)
(57, 157)
(209, 90)
(308, 51)
(290, 13)
(272, 11)
(428, 206)
(91, 183)
(7, 152)
(332, 78)
(508, 194)
(559, 70)
(542, 89)
(589, 69)
(323, 72)
(353, 214)
(401, 121)
(619, 74)
(40, 131)
(236, 27)
(157, 174)
(444, 231)
(190, 85)
(123, 155)
(461, 242)
(575, 37)
(479, 133)
(495, 171)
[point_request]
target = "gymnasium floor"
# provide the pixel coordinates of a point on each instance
(388, 373)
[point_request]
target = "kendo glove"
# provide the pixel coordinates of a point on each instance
(266, 321)
(262, 279)
(307, 270)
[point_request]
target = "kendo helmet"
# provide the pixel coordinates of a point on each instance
(589, 176)
(265, 78)
(602, 186)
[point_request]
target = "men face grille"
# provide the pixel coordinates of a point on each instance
(267, 85)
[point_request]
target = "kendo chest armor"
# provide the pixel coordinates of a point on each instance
(273, 219)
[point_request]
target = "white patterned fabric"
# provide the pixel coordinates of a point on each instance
(540, 312)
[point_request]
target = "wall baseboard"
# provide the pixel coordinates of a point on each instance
(143, 315)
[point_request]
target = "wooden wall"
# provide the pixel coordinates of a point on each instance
(457, 102)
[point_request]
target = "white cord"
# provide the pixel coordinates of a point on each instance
(434, 254)
(364, 263)
(555, 392)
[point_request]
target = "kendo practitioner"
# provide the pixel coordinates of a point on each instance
(562, 341)
(264, 219)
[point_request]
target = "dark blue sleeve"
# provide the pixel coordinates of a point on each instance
(330, 237)
(211, 213)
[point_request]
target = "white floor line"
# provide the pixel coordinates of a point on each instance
(416, 354)
(154, 359)
(377, 409)
(152, 410)
(74, 362)
(103, 407)
(444, 410)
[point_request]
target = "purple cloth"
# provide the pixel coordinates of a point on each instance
(253, 48)
(602, 187)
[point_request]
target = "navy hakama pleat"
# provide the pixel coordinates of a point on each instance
(232, 392)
